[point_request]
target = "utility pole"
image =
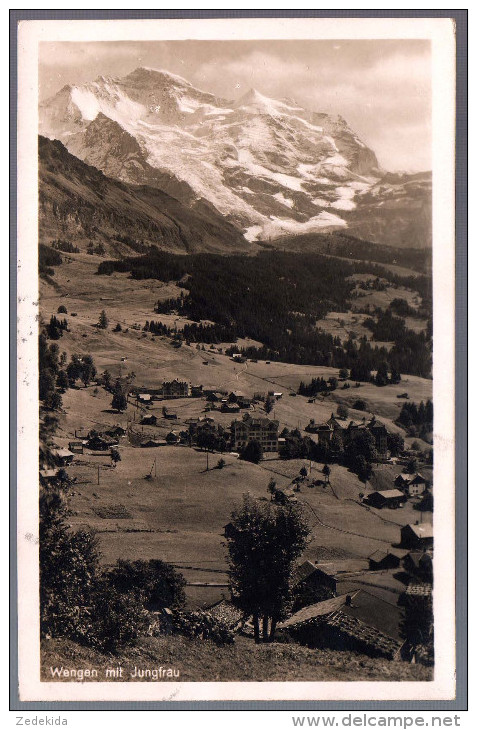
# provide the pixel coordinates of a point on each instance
(98, 473)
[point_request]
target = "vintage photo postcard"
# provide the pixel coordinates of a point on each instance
(236, 246)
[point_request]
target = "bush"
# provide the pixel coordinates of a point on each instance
(159, 584)
(202, 625)
(116, 619)
(220, 463)
(252, 452)
(360, 405)
(342, 411)
(62, 309)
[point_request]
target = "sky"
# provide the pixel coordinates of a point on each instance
(381, 87)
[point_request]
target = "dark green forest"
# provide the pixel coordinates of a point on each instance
(276, 298)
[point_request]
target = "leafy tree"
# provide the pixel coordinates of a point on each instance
(46, 383)
(62, 309)
(336, 447)
(103, 320)
(363, 444)
(272, 486)
(343, 374)
(412, 465)
(88, 370)
(363, 468)
(118, 328)
(333, 383)
(326, 471)
(303, 472)
(263, 547)
(119, 402)
(53, 401)
(62, 382)
(160, 585)
(360, 405)
(395, 443)
(417, 625)
(75, 599)
(115, 456)
(342, 411)
(69, 568)
(382, 374)
(268, 405)
(220, 463)
(252, 452)
(74, 370)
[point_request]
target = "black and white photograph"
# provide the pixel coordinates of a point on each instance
(238, 402)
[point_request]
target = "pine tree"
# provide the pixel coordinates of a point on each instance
(103, 320)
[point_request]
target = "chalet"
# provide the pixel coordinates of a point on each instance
(148, 420)
(380, 434)
(170, 415)
(76, 447)
(352, 622)
(417, 536)
(225, 612)
(176, 389)
(196, 391)
(412, 484)
(243, 401)
(348, 431)
(48, 476)
(144, 398)
(64, 456)
(81, 435)
(419, 565)
(310, 575)
(228, 407)
(101, 442)
(115, 431)
(389, 498)
(214, 397)
(380, 560)
(263, 430)
(151, 443)
(172, 437)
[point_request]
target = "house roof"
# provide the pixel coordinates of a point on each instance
(389, 493)
(423, 529)
(63, 453)
(47, 473)
(379, 555)
(414, 557)
(323, 608)
(356, 629)
(417, 479)
(375, 612)
(304, 571)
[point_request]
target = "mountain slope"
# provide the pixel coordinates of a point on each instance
(270, 166)
(79, 203)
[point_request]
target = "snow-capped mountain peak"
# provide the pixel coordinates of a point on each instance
(268, 165)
